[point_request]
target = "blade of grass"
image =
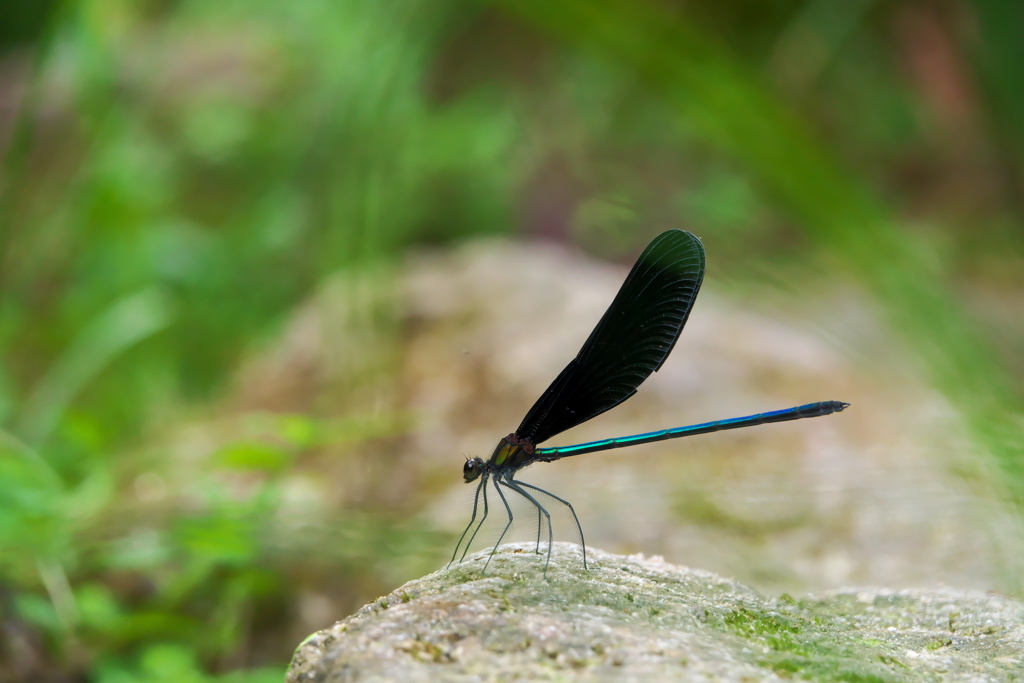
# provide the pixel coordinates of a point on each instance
(124, 324)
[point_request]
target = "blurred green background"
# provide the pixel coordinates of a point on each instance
(180, 175)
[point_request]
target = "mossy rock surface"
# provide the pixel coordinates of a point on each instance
(636, 618)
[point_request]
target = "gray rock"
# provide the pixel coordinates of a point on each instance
(642, 619)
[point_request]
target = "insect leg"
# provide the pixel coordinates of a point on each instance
(514, 485)
(476, 502)
(483, 486)
(579, 528)
(505, 531)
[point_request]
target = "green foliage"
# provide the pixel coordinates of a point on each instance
(173, 664)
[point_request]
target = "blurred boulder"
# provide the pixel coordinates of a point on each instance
(414, 368)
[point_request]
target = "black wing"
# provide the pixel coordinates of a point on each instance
(631, 341)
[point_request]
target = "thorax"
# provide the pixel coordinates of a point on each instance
(511, 453)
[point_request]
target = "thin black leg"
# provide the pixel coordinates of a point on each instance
(507, 526)
(537, 549)
(483, 485)
(476, 502)
(514, 485)
(579, 528)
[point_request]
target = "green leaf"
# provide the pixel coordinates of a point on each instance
(254, 456)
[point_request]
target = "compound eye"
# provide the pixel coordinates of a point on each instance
(472, 469)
